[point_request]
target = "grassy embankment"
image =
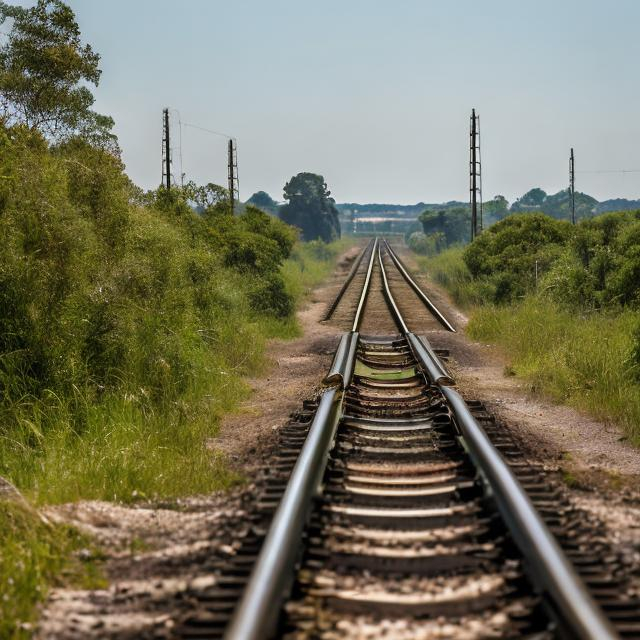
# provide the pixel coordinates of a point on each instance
(575, 357)
(129, 449)
(128, 324)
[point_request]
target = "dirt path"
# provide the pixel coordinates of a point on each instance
(157, 554)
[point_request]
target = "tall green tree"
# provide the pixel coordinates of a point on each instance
(44, 70)
(264, 201)
(310, 207)
(453, 224)
(495, 210)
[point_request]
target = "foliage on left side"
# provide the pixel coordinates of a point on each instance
(126, 322)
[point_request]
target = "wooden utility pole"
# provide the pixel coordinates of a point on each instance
(572, 186)
(166, 150)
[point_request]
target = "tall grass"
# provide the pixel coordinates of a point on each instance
(33, 555)
(580, 360)
(449, 270)
(309, 264)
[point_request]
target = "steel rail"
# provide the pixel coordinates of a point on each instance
(341, 369)
(347, 282)
(550, 569)
(365, 290)
(413, 284)
(435, 370)
(395, 312)
(256, 616)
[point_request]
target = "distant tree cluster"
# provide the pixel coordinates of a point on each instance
(264, 201)
(557, 205)
(310, 208)
(594, 264)
(447, 226)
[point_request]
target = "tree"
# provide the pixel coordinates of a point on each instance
(495, 210)
(453, 224)
(512, 252)
(311, 208)
(533, 198)
(44, 68)
(264, 201)
(207, 196)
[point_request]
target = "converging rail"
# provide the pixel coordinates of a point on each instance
(400, 516)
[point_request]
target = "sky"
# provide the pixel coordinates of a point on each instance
(375, 96)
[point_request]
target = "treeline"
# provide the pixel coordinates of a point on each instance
(448, 225)
(562, 301)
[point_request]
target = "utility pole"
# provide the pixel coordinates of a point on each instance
(166, 150)
(475, 175)
(234, 182)
(572, 186)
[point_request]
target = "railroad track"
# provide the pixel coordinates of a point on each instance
(396, 510)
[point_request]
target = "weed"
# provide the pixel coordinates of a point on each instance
(36, 554)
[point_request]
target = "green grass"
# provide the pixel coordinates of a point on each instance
(577, 358)
(125, 447)
(35, 555)
(309, 264)
(448, 269)
(581, 360)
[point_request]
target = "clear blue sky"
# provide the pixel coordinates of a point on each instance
(376, 96)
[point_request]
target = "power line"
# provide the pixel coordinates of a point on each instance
(217, 133)
(610, 171)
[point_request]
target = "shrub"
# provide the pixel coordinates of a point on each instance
(426, 245)
(269, 296)
(126, 323)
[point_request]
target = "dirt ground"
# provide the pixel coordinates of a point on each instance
(157, 551)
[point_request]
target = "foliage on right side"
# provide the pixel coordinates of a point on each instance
(563, 301)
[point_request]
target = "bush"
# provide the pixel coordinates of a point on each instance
(126, 323)
(426, 245)
(514, 245)
(269, 296)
